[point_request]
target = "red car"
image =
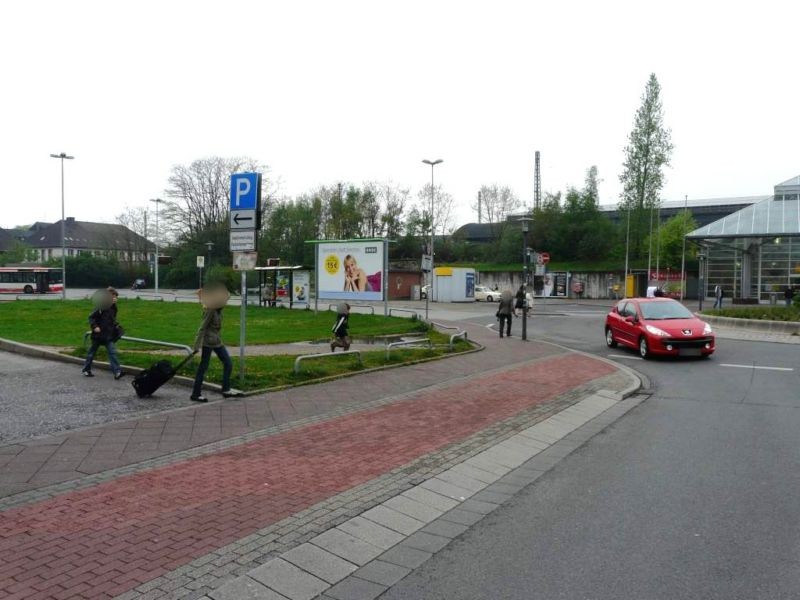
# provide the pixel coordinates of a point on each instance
(658, 326)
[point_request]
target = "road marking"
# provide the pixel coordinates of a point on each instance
(624, 356)
(489, 326)
(757, 367)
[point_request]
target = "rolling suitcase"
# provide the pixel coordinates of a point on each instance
(156, 375)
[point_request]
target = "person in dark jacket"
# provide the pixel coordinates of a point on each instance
(519, 303)
(209, 340)
(788, 295)
(103, 323)
(340, 332)
(505, 312)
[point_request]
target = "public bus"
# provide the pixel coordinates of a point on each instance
(30, 280)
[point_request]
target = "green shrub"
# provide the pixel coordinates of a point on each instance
(767, 313)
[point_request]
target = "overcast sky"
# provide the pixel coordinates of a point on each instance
(350, 91)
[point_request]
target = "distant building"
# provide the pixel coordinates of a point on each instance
(754, 252)
(704, 211)
(83, 237)
(6, 240)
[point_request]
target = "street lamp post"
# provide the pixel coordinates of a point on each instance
(525, 227)
(63, 156)
(158, 201)
(432, 163)
(701, 281)
(209, 246)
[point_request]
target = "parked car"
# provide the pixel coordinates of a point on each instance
(486, 294)
(658, 326)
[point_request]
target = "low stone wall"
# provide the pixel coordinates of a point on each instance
(759, 325)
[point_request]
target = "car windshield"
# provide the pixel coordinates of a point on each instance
(655, 311)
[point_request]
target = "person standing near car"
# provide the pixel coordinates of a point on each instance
(505, 312)
(788, 295)
(105, 331)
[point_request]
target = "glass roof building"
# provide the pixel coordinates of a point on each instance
(755, 251)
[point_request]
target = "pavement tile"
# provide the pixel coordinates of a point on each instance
(405, 556)
(462, 517)
(477, 506)
(371, 532)
(392, 519)
(319, 562)
(384, 573)
(354, 588)
(427, 541)
(444, 528)
(288, 580)
(346, 546)
(412, 508)
(472, 471)
(425, 496)
(446, 489)
(461, 480)
(244, 588)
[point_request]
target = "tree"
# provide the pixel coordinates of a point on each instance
(443, 204)
(647, 153)
(669, 239)
(591, 191)
(135, 237)
(200, 193)
(496, 203)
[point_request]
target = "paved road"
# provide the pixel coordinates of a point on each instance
(692, 495)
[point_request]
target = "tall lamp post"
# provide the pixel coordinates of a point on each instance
(209, 246)
(525, 227)
(63, 156)
(701, 258)
(158, 201)
(432, 163)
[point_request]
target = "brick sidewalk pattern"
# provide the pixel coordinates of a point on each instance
(107, 539)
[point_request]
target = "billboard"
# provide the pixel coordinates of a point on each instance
(351, 270)
(301, 281)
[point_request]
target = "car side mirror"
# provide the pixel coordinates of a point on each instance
(630, 319)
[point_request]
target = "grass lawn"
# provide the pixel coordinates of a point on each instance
(768, 313)
(58, 323)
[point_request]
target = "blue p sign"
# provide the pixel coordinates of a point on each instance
(244, 191)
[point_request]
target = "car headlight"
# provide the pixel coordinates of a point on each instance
(656, 331)
(707, 329)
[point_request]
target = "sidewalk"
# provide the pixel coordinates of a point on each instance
(181, 503)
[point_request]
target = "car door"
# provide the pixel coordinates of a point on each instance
(616, 321)
(628, 324)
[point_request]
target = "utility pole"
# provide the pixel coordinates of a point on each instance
(63, 156)
(158, 201)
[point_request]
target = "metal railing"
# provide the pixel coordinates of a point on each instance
(407, 310)
(460, 334)
(408, 343)
(126, 338)
(440, 326)
(369, 306)
(303, 357)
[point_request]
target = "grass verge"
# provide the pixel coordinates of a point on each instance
(762, 313)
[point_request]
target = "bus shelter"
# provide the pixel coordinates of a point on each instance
(282, 284)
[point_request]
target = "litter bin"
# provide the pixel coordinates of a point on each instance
(773, 298)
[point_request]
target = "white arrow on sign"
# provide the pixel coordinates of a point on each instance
(243, 219)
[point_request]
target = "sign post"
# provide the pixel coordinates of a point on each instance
(245, 210)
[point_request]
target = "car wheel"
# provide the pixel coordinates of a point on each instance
(489, 299)
(644, 349)
(610, 341)
(28, 289)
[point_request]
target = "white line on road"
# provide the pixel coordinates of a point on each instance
(624, 356)
(757, 367)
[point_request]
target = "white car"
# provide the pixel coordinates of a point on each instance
(424, 291)
(487, 294)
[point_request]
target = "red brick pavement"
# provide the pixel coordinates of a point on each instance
(105, 540)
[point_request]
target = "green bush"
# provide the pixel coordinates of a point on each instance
(764, 313)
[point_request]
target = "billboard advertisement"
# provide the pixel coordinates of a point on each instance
(301, 284)
(351, 270)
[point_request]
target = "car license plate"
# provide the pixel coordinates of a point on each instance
(690, 352)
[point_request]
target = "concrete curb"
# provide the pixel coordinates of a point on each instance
(754, 325)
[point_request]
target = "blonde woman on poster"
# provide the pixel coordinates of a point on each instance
(355, 278)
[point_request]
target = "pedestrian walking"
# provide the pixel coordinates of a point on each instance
(340, 332)
(209, 339)
(788, 295)
(505, 312)
(519, 303)
(105, 331)
(718, 295)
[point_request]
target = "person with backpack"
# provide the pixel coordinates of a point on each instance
(340, 332)
(209, 339)
(105, 331)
